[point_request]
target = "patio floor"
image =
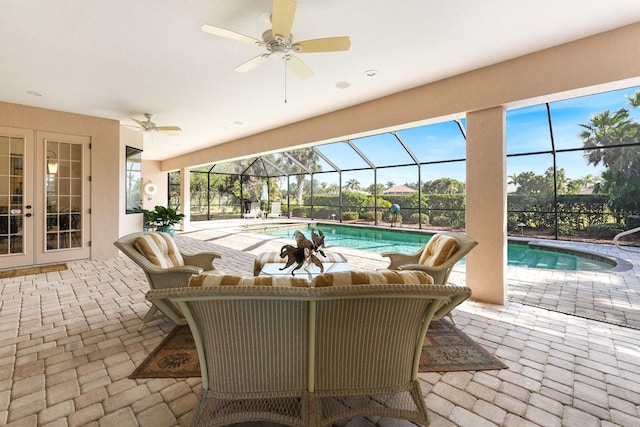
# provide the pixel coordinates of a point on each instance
(69, 339)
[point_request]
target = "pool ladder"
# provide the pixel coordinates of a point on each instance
(626, 233)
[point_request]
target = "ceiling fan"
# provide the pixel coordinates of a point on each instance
(278, 41)
(149, 126)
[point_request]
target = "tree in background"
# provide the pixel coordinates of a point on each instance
(352, 185)
(377, 188)
(530, 183)
(309, 159)
(443, 186)
(577, 185)
(601, 138)
(513, 180)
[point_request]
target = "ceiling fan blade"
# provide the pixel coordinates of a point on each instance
(296, 65)
(139, 122)
(229, 34)
(252, 63)
(282, 14)
(329, 44)
(168, 128)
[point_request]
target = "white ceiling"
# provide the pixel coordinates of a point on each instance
(121, 58)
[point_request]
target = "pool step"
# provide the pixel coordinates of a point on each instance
(558, 261)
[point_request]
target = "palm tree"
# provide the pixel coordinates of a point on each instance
(561, 180)
(604, 131)
(308, 158)
(352, 184)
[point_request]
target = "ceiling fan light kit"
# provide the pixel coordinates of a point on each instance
(149, 126)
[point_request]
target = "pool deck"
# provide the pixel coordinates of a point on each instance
(69, 340)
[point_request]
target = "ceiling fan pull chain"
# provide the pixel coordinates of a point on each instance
(285, 80)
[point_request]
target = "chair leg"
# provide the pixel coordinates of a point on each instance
(453, 321)
(152, 312)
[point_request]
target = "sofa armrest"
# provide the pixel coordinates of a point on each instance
(174, 277)
(397, 259)
(439, 273)
(203, 260)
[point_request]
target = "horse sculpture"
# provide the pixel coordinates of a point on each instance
(305, 251)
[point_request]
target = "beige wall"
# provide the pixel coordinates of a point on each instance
(129, 223)
(104, 134)
(151, 173)
(486, 211)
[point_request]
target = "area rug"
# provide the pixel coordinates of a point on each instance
(445, 349)
(32, 270)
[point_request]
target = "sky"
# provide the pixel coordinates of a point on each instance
(527, 131)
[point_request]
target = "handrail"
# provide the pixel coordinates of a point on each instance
(626, 233)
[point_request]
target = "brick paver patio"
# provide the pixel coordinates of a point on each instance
(69, 339)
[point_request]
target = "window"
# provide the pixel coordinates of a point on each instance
(133, 180)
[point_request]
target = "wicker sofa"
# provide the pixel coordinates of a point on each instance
(310, 353)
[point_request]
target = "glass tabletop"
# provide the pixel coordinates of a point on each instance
(312, 270)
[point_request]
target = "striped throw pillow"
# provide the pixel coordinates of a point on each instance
(211, 280)
(438, 250)
(276, 281)
(214, 280)
(408, 277)
(382, 277)
(160, 249)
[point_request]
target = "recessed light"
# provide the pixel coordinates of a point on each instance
(34, 93)
(370, 73)
(343, 85)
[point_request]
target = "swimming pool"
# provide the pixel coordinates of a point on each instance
(384, 240)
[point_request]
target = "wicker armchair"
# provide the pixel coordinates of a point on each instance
(312, 356)
(440, 273)
(172, 277)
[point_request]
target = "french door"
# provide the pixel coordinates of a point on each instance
(44, 197)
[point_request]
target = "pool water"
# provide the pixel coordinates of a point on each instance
(381, 240)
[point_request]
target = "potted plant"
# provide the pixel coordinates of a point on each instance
(165, 218)
(148, 223)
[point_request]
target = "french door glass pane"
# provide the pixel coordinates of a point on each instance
(11, 186)
(63, 172)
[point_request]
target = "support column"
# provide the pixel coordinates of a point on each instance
(486, 218)
(185, 197)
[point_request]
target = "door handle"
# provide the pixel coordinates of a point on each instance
(27, 215)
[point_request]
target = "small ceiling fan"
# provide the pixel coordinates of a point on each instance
(278, 41)
(149, 126)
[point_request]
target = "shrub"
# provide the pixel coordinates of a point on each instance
(440, 221)
(350, 216)
(632, 221)
(368, 216)
(604, 230)
(422, 218)
(301, 211)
